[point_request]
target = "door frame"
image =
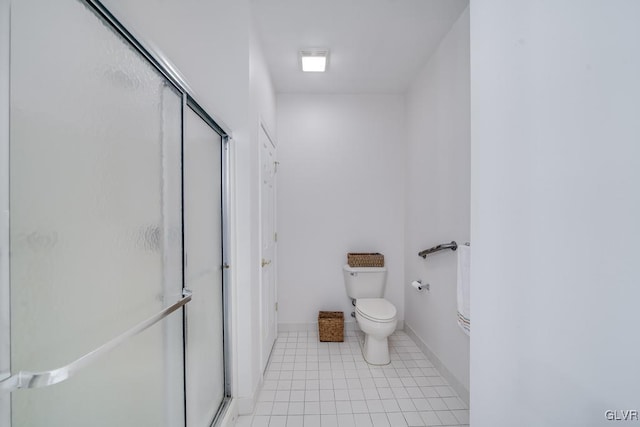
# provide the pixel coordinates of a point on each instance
(5, 295)
(262, 127)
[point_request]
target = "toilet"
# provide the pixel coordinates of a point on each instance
(375, 316)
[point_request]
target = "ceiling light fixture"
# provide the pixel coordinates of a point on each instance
(314, 60)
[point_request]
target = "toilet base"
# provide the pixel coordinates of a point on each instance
(376, 350)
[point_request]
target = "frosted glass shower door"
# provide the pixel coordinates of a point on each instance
(205, 382)
(95, 222)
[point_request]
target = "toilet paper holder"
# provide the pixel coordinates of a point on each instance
(418, 286)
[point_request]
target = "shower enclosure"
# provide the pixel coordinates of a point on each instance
(113, 198)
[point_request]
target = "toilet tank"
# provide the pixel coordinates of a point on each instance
(364, 282)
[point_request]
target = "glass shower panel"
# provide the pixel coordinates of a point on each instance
(96, 242)
(203, 273)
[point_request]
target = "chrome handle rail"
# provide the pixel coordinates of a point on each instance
(453, 246)
(25, 379)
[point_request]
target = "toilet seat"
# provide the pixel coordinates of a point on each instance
(376, 309)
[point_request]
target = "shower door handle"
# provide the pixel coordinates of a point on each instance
(26, 379)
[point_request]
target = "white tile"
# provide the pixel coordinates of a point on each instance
(390, 405)
(414, 392)
(394, 382)
(380, 420)
(312, 408)
(438, 381)
(312, 396)
(421, 404)
(356, 394)
(284, 384)
(406, 405)
(400, 392)
(385, 393)
(326, 384)
(359, 407)
(339, 383)
(263, 408)
(326, 395)
(297, 396)
(351, 374)
(260, 421)
(346, 420)
(282, 396)
(403, 372)
(327, 407)
(278, 421)
(397, 419)
(462, 415)
(437, 404)
(298, 385)
(422, 381)
(312, 421)
(413, 419)
(375, 406)
(267, 396)
(244, 421)
(430, 418)
(381, 382)
(328, 420)
(430, 372)
(447, 418)
(342, 394)
(445, 391)
(362, 420)
(271, 375)
(270, 385)
(343, 407)
(354, 383)
(295, 421)
(329, 384)
(408, 382)
(454, 403)
(280, 408)
(371, 393)
(296, 408)
(429, 392)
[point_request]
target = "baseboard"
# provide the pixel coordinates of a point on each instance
(441, 367)
(313, 326)
(231, 415)
(246, 405)
(310, 327)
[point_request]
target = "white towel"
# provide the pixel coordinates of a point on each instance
(464, 260)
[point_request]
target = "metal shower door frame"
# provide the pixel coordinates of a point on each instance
(164, 66)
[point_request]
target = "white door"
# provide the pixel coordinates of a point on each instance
(267, 212)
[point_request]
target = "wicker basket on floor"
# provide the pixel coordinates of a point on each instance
(365, 259)
(331, 326)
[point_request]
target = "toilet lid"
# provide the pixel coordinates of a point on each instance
(376, 308)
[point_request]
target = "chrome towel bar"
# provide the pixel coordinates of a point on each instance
(25, 379)
(453, 246)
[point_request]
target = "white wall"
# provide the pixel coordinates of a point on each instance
(555, 206)
(340, 189)
(262, 108)
(437, 199)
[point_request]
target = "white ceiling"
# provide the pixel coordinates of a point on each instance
(376, 45)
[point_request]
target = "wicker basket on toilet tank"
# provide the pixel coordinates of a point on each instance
(355, 259)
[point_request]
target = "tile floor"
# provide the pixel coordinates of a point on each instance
(311, 383)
